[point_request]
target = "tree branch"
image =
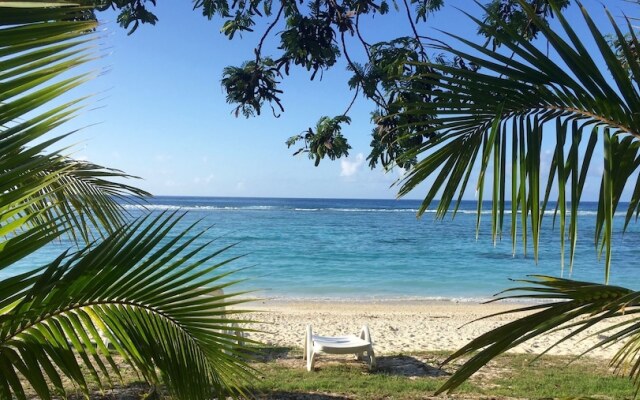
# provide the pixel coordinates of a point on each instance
(381, 102)
(258, 49)
(415, 31)
(353, 100)
(364, 43)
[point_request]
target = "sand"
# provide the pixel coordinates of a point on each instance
(403, 326)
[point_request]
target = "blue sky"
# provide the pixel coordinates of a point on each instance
(160, 112)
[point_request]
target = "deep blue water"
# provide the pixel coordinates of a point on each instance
(330, 248)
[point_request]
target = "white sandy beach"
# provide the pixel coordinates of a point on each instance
(400, 327)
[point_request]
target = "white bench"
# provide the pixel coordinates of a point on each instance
(314, 344)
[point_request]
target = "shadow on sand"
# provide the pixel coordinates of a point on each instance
(399, 365)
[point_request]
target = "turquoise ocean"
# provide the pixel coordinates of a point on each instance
(379, 249)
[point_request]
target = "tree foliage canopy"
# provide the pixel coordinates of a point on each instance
(313, 35)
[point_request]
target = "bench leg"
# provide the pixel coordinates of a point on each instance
(311, 360)
(372, 358)
(308, 343)
(366, 335)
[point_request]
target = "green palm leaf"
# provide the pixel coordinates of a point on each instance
(521, 97)
(37, 46)
(102, 295)
(585, 96)
(589, 303)
(153, 297)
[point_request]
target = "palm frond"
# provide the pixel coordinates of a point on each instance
(586, 96)
(153, 296)
(155, 299)
(587, 304)
(518, 98)
(39, 47)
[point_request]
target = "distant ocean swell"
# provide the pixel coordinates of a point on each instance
(164, 207)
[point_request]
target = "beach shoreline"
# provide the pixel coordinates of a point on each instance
(399, 327)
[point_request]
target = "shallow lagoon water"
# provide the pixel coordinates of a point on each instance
(378, 249)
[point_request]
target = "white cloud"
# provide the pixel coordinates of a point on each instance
(401, 172)
(163, 157)
(198, 180)
(350, 168)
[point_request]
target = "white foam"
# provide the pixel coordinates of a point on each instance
(396, 299)
(165, 207)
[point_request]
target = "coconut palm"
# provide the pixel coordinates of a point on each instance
(492, 120)
(134, 291)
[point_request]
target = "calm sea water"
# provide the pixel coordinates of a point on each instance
(378, 249)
